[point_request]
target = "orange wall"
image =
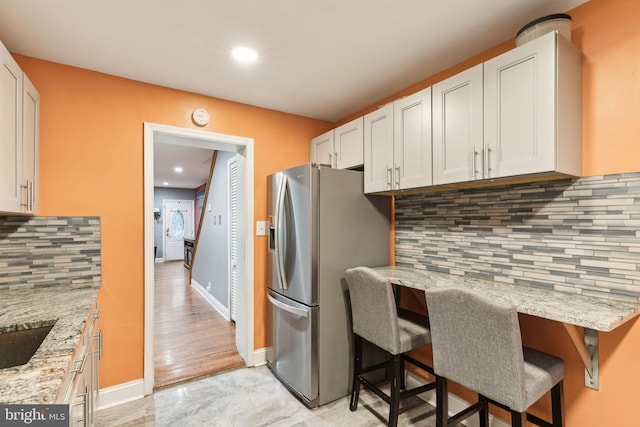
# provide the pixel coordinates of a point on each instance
(91, 163)
(608, 33)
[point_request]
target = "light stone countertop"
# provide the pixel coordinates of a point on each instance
(589, 312)
(39, 379)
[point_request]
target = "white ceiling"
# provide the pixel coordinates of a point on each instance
(323, 59)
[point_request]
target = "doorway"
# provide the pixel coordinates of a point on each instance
(245, 310)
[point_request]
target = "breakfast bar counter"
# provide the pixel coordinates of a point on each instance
(573, 310)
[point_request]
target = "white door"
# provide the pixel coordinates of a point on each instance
(237, 251)
(178, 224)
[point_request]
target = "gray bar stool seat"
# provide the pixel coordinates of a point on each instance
(477, 343)
(375, 319)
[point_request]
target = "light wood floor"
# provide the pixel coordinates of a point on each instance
(191, 339)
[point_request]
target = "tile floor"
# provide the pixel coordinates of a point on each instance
(252, 397)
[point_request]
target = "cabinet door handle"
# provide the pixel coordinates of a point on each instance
(30, 196)
(389, 178)
(397, 180)
(79, 369)
(330, 159)
(473, 163)
(488, 162)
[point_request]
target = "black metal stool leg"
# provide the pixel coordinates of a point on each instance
(518, 419)
(557, 403)
(396, 374)
(442, 402)
(357, 370)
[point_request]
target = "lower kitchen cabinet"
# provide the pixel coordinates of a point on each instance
(81, 384)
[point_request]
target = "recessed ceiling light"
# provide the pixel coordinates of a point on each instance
(245, 54)
(177, 169)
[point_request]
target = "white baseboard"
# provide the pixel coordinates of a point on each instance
(260, 356)
(159, 260)
(456, 404)
(217, 305)
(121, 393)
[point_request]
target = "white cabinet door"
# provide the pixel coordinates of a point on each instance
(457, 127)
(519, 110)
(322, 150)
(348, 142)
(532, 96)
(412, 141)
(10, 132)
(30, 147)
(378, 150)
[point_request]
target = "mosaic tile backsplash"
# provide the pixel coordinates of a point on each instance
(580, 235)
(46, 251)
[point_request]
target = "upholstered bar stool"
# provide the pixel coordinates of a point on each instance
(375, 319)
(477, 343)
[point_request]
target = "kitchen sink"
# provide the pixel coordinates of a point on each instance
(19, 346)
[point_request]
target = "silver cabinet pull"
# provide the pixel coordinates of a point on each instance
(82, 362)
(473, 163)
(488, 161)
(397, 177)
(389, 177)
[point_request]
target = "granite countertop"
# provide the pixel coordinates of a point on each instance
(39, 379)
(589, 312)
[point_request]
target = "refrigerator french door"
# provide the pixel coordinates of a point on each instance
(320, 224)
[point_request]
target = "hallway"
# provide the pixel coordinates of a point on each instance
(191, 339)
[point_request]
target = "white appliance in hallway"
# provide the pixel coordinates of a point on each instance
(320, 224)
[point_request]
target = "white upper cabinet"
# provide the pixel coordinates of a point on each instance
(322, 149)
(19, 118)
(533, 109)
(397, 146)
(457, 127)
(348, 140)
(412, 140)
(378, 150)
(30, 146)
(517, 114)
(11, 78)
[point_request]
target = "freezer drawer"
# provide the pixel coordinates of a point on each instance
(293, 356)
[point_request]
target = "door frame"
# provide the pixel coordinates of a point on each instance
(201, 139)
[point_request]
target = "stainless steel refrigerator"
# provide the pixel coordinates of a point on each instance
(320, 223)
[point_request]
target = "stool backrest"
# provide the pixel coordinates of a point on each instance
(477, 343)
(373, 308)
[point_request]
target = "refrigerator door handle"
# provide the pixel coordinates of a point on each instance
(287, 308)
(280, 233)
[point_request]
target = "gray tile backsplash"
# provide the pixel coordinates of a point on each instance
(46, 251)
(580, 235)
